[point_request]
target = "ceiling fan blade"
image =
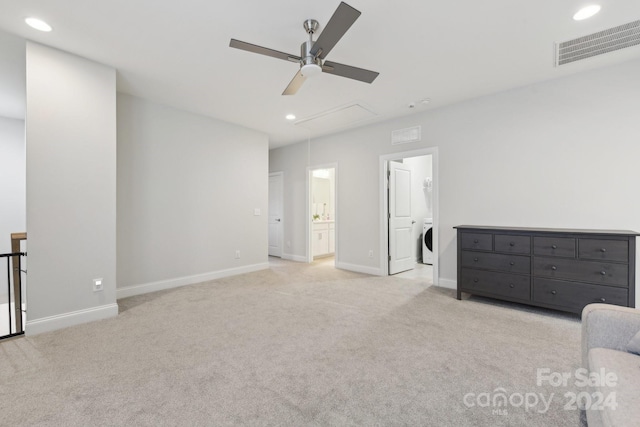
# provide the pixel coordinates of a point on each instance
(295, 84)
(350, 72)
(342, 19)
(263, 50)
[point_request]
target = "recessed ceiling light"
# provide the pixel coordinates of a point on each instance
(290, 117)
(38, 24)
(586, 12)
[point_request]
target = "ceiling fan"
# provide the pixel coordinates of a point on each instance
(313, 53)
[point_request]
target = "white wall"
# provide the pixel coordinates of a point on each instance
(12, 189)
(420, 169)
(12, 76)
(323, 193)
(562, 153)
(187, 189)
(71, 188)
(12, 176)
(320, 196)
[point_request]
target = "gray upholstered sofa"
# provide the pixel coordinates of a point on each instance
(610, 337)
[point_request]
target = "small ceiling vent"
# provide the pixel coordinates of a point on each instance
(403, 136)
(595, 44)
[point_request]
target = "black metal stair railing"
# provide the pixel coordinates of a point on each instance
(14, 310)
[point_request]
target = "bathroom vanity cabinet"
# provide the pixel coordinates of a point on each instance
(323, 238)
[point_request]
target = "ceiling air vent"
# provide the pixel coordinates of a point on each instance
(595, 44)
(403, 136)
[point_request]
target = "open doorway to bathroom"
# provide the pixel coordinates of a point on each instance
(322, 218)
(409, 226)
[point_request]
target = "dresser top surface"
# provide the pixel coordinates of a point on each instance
(547, 230)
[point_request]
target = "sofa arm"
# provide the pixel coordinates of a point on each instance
(608, 326)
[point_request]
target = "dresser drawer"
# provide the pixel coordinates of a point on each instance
(572, 296)
(554, 246)
(512, 244)
(477, 241)
(606, 250)
(499, 284)
(584, 271)
(489, 261)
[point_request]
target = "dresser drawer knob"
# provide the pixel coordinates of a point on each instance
(476, 280)
(554, 246)
(603, 300)
(554, 268)
(603, 249)
(604, 273)
(511, 285)
(512, 263)
(512, 244)
(475, 240)
(553, 292)
(475, 259)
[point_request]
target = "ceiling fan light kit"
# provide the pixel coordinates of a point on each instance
(313, 53)
(310, 70)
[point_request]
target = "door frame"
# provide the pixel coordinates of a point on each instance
(281, 228)
(309, 222)
(384, 207)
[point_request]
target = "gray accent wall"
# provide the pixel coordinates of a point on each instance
(71, 188)
(188, 186)
(562, 153)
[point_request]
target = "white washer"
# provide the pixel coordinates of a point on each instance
(427, 241)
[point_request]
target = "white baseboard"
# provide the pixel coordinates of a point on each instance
(448, 283)
(297, 258)
(59, 321)
(374, 271)
(129, 291)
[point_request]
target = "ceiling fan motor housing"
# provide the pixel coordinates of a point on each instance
(310, 65)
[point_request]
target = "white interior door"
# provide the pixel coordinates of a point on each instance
(275, 214)
(400, 221)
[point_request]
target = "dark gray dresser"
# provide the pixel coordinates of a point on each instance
(562, 269)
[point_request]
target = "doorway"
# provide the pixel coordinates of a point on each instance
(409, 212)
(322, 214)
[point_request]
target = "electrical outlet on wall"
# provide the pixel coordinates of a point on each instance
(237, 253)
(98, 284)
(370, 253)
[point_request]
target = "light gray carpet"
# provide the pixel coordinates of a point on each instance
(293, 345)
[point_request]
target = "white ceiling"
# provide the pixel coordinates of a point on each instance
(177, 53)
